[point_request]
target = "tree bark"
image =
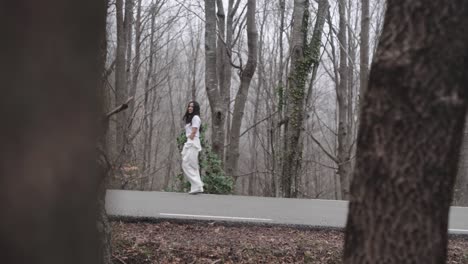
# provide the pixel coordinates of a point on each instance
(227, 69)
(351, 79)
(51, 71)
(364, 47)
(136, 67)
(410, 136)
(104, 166)
(211, 80)
(195, 45)
(253, 179)
(303, 56)
(128, 28)
(172, 146)
(460, 195)
(343, 155)
(120, 74)
(295, 98)
(232, 155)
(224, 38)
(276, 133)
(146, 160)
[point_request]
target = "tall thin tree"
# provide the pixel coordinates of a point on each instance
(343, 154)
(232, 157)
(460, 195)
(120, 73)
(218, 115)
(364, 47)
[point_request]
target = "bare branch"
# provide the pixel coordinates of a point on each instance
(323, 165)
(109, 70)
(118, 109)
(254, 125)
(322, 148)
(190, 10)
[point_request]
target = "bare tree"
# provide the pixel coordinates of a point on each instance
(275, 128)
(172, 146)
(410, 134)
(128, 28)
(253, 181)
(232, 156)
(104, 166)
(166, 77)
(303, 56)
(147, 90)
(364, 46)
(120, 71)
(224, 55)
(218, 114)
(460, 195)
(193, 54)
(136, 64)
(343, 155)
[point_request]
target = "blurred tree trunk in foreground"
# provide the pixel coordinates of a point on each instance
(410, 135)
(51, 75)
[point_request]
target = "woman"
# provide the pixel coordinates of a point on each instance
(192, 147)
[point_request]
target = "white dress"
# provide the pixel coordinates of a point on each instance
(190, 156)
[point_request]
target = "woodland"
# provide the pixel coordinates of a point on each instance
(280, 100)
(362, 100)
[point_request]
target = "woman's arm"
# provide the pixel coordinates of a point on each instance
(194, 132)
(196, 122)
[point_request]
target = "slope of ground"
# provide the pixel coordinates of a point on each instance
(205, 242)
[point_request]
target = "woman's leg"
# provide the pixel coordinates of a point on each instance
(191, 169)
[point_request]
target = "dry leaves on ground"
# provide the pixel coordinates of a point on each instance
(204, 242)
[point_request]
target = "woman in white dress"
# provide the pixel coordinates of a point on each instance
(192, 147)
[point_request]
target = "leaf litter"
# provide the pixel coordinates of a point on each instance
(212, 242)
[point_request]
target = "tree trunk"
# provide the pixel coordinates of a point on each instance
(223, 67)
(120, 74)
(126, 115)
(302, 58)
(136, 67)
(51, 72)
(253, 180)
(146, 92)
(103, 225)
(150, 126)
(226, 67)
(295, 98)
(211, 80)
(104, 166)
(253, 146)
(410, 134)
(193, 72)
(232, 155)
(172, 146)
(343, 155)
(460, 195)
(128, 28)
(364, 46)
(351, 80)
(276, 132)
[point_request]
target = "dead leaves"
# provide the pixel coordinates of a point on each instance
(166, 242)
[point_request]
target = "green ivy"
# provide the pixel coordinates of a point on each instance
(211, 167)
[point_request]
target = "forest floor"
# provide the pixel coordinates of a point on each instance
(209, 242)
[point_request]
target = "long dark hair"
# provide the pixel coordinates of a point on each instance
(196, 111)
